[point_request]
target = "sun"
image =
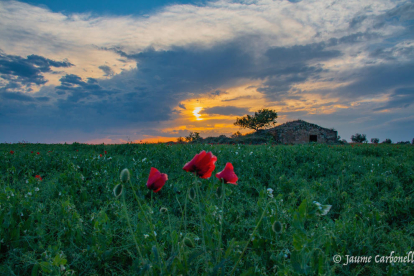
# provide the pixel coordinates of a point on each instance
(195, 113)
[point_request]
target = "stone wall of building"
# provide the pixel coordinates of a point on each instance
(301, 132)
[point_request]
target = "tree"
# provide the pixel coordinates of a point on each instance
(180, 140)
(236, 134)
(193, 136)
(359, 138)
(264, 118)
(387, 141)
(375, 140)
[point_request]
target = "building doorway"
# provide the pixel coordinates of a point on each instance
(313, 138)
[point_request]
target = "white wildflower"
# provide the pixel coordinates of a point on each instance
(270, 192)
(322, 209)
(146, 236)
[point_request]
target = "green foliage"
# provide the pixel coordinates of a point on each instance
(374, 140)
(359, 138)
(193, 137)
(72, 222)
(261, 119)
(387, 141)
(236, 134)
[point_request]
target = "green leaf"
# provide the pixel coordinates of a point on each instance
(216, 269)
(194, 255)
(35, 270)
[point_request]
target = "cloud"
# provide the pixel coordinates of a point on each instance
(107, 70)
(401, 98)
(27, 71)
(303, 55)
(225, 110)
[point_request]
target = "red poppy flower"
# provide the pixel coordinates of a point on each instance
(228, 174)
(156, 180)
(77, 150)
(11, 152)
(202, 164)
(105, 152)
(31, 152)
(38, 152)
(39, 177)
(100, 155)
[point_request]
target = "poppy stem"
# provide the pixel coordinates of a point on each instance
(130, 228)
(252, 236)
(201, 221)
(223, 190)
(149, 222)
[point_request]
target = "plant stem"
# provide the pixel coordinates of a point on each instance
(201, 221)
(149, 222)
(130, 228)
(185, 213)
(169, 222)
(222, 218)
(252, 236)
(182, 213)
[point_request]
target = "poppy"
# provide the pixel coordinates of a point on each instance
(105, 152)
(31, 152)
(39, 177)
(100, 155)
(228, 175)
(202, 164)
(77, 150)
(156, 180)
(38, 152)
(11, 152)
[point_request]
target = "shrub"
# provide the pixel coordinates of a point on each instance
(359, 138)
(387, 141)
(375, 140)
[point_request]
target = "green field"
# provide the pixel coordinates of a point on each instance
(71, 222)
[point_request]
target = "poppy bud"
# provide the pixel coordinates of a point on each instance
(118, 190)
(125, 176)
(188, 242)
(277, 227)
(192, 194)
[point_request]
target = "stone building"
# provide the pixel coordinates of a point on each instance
(300, 132)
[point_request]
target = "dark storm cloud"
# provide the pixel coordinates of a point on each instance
(27, 70)
(377, 79)
(17, 96)
(225, 110)
(357, 20)
(149, 94)
(192, 70)
(289, 66)
(107, 70)
(401, 98)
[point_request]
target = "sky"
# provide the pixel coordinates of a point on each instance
(127, 71)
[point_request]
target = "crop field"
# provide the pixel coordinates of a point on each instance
(65, 210)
